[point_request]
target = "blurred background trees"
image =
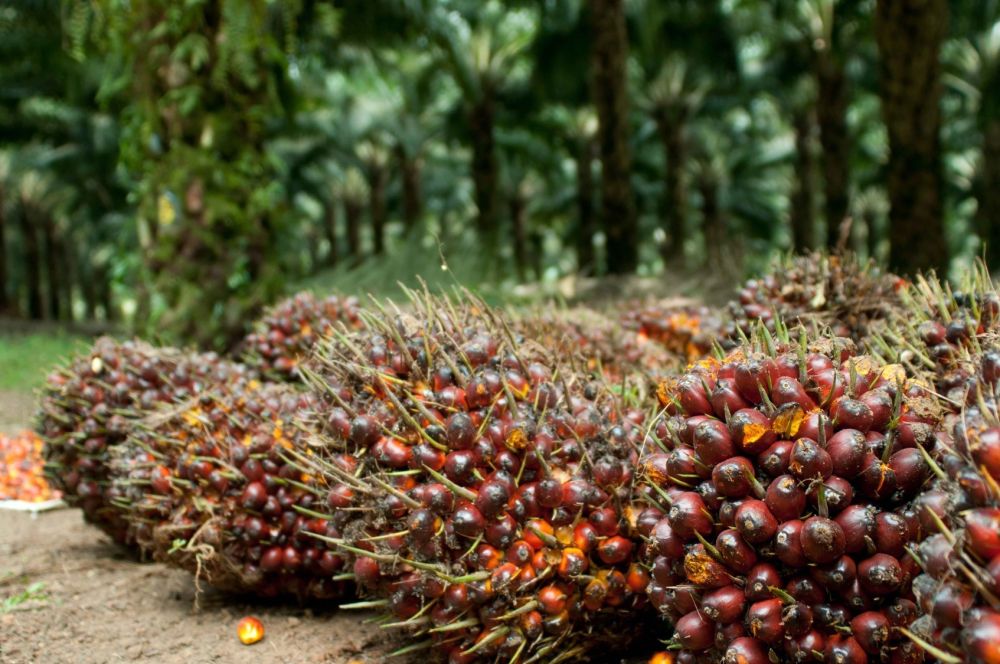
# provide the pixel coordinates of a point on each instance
(176, 165)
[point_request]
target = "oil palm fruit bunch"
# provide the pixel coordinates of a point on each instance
(594, 344)
(89, 407)
(818, 290)
(287, 332)
(780, 484)
(687, 331)
(207, 485)
(488, 513)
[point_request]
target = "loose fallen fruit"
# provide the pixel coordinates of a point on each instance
(250, 630)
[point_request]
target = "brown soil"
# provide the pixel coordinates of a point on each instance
(16, 410)
(101, 606)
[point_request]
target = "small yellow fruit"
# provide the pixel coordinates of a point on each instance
(250, 630)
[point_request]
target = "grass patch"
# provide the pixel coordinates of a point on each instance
(25, 359)
(33, 593)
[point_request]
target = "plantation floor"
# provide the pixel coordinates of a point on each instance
(100, 606)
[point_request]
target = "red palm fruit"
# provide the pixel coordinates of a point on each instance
(734, 478)
(880, 574)
(891, 534)
(871, 630)
(785, 498)
(831, 615)
(734, 552)
(694, 632)
(877, 479)
(726, 634)
(822, 540)
(857, 523)
(983, 530)
(847, 449)
(666, 540)
(755, 522)
(751, 431)
(947, 602)
(836, 491)
(797, 618)
(879, 402)
(809, 461)
(981, 638)
(683, 466)
(724, 605)
(704, 571)
(910, 469)
(552, 599)
(801, 649)
(787, 544)
(826, 386)
(690, 393)
(774, 460)
(759, 581)
(791, 391)
(852, 414)
(841, 649)
(688, 515)
(757, 374)
(763, 621)
(745, 650)
(931, 506)
(726, 399)
(713, 442)
(837, 576)
(615, 550)
(816, 425)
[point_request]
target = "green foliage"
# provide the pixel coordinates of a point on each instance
(25, 358)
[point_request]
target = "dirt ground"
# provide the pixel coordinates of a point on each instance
(16, 410)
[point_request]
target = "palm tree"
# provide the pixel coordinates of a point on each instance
(909, 34)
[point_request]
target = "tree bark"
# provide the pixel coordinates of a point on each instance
(714, 223)
(32, 262)
(518, 208)
(88, 290)
(330, 226)
(909, 35)
(989, 193)
(52, 274)
(831, 114)
(485, 172)
(872, 238)
(409, 168)
(352, 215)
(618, 214)
(675, 204)
(107, 295)
(377, 177)
(586, 262)
(4, 298)
(802, 205)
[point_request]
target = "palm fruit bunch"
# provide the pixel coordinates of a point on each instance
(88, 407)
(486, 507)
(288, 331)
(21, 474)
(594, 344)
(209, 485)
(686, 330)
(781, 484)
(818, 290)
(951, 338)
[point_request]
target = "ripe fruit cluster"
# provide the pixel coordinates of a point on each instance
(89, 407)
(211, 486)
(488, 512)
(840, 292)
(780, 506)
(21, 476)
(287, 333)
(686, 331)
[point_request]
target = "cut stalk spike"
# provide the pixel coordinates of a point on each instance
(455, 626)
(709, 547)
(455, 488)
(782, 594)
(521, 610)
(367, 604)
(933, 650)
(494, 635)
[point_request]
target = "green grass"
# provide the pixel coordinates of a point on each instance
(25, 359)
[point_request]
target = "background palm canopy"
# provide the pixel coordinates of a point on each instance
(178, 165)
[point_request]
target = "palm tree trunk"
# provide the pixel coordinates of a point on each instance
(675, 212)
(831, 112)
(870, 218)
(989, 192)
(88, 289)
(585, 259)
(352, 215)
(52, 275)
(610, 55)
(32, 262)
(409, 169)
(485, 172)
(377, 177)
(4, 299)
(518, 208)
(70, 277)
(714, 223)
(330, 226)
(909, 35)
(107, 295)
(803, 201)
